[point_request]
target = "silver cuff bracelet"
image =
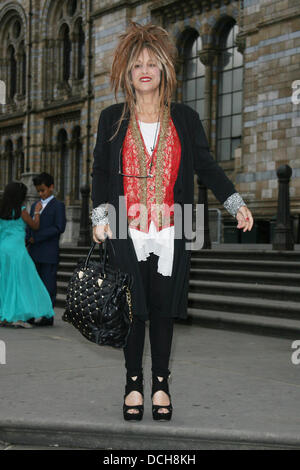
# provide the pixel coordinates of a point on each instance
(233, 203)
(99, 216)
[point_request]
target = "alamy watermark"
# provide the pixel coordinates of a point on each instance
(296, 92)
(2, 353)
(296, 354)
(188, 220)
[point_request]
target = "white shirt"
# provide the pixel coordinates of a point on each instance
(148, 130)
(161, 243)
(45, 202)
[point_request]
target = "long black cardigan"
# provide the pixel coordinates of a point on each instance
(107, 186)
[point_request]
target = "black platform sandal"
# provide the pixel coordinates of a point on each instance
(136, 385)
(156, 387)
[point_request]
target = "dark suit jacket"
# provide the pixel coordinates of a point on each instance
(45, 248)
(107, 186)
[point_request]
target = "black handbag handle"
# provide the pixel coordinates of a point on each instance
(103, 244)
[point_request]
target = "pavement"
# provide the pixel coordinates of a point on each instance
(230, 390)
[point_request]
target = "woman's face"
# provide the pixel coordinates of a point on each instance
(145, 73)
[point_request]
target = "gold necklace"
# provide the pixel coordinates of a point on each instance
(143, 165)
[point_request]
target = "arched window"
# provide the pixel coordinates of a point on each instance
(71, 7)
(229, 118)
(62, 139)
(21, 160)
(193, 74)
(77, 163)
(12, 72)
(23, 70)
(11, 164)
(16, 29)
(81, 52)
(66, 56)
(12, 36)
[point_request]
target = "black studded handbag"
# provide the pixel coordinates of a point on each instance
(98, 300)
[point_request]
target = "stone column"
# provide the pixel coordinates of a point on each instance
(84, 233)
(59, 63)
(43, 158)
(283, 237)
(46, 68)
(74, 38)
(3, 83)
(52, 79)
(6, 78)
(72, 163)
(19, 76)
(4, 167)
(32, 194)
(56, 170)
(206, 57)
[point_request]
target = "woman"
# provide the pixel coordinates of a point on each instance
(147, 150)
(22, 293)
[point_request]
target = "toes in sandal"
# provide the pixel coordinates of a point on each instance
(163, 385)
(136, 385)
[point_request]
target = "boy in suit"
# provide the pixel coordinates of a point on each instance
(43, 244)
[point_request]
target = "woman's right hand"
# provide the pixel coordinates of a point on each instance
(100, 231)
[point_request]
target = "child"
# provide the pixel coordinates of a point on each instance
(44, 243)
(22, 293)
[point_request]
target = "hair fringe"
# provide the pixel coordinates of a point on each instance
(131, 43)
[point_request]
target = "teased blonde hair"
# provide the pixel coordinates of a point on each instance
(159, 44)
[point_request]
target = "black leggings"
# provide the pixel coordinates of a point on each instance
(160, 323)
(160, 334)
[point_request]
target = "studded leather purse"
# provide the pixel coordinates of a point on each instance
(98, 300)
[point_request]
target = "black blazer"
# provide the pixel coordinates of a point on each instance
(195, 157)
(45, 248)
(107, 186)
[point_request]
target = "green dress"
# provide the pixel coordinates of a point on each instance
(22, 293)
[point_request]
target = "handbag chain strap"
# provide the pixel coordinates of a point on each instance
(128, 296)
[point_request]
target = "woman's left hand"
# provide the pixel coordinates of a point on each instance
(245, 219)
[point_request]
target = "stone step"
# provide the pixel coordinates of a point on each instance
(260, 255)
(240, 289)
(67, 267)
(267, 255)
(63, 276)
(69, 263)
(62, 287)
(223, 250)
(226, 275)
(110, 435)
(256, 324)
(237, 305)
(225, 314)
(60, 300)
(269, 308)
(282, 293)
(252, 265)
(74, 257)
(253, 277)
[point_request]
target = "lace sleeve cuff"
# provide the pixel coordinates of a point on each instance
(233, 203)
(99, 215)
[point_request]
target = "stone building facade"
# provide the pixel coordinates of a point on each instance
(238, 66)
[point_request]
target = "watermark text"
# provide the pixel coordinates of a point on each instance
(2, 353)
(296, 354)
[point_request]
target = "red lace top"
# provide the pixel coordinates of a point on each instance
(134, 188)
